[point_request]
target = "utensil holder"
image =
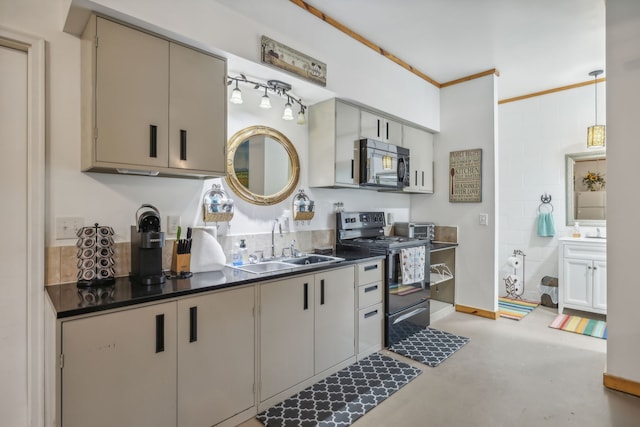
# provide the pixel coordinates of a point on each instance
(180, 262)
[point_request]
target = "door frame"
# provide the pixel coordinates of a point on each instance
(34, 47)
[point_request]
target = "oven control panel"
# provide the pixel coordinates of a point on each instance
(352, 220)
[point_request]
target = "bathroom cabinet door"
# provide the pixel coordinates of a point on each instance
(119, 369)
(578, 281)
(216, 356)
(600, 285)
(582, 275)
(286, 334)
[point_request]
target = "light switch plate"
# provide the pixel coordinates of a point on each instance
(173, 221)
(484, 219)
(67, 227)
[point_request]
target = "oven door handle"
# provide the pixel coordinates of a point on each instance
(410, 314)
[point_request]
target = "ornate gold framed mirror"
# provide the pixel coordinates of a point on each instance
(263, 167)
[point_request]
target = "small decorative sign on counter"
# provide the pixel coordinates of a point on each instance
(465, 176)
(288, 59)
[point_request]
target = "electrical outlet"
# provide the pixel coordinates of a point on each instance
(67, 227)
(173, 221)
(484, 219)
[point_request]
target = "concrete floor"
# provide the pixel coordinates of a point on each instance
(512, 373)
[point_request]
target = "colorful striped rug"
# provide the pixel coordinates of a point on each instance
(580, 325)
(515, 309)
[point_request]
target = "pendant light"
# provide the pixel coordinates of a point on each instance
(265, 102)
(595, 133)
(288, 111)
(236, 95)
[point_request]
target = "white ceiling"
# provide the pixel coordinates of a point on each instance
(535, 44)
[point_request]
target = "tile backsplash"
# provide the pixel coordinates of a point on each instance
(61, 261)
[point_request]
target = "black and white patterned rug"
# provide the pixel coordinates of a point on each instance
(429, 346)
(342, 398)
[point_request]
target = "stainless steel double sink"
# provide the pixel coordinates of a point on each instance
(282, 264)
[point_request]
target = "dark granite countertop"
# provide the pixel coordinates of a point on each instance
(70, 300)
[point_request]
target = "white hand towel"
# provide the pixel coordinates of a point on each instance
(206, 252)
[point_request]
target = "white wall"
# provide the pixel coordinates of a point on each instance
(113, 199)
(623, 93)
(535, 135)
(468, 121)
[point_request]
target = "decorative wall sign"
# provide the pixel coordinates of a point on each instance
(294, 62)
(465, 176)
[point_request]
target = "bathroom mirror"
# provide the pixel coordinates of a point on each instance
(586, 176)
(262, 165)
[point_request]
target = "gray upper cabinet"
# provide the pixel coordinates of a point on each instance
(150, 105)
(420, 144)
(380, 128)
(334, 127)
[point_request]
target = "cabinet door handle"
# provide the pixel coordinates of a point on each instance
(423, 178)
(322, 292)
(416, 178)
(378, 133)
(159, 333)
(589, 267)
(371, 313)
(370, 288)
(306, 296)
(371, 267)
(193, 324)
(387, 130)
(153, 141)
(352, 163)
(183, 144)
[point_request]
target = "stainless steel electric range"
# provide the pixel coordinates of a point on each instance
(407, 292)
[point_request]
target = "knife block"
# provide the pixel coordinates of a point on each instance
(180, 262)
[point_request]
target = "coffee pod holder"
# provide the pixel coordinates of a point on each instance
(216, 206)
(303, 207)
(95, 256)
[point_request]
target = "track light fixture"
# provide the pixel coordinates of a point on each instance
(277, 87)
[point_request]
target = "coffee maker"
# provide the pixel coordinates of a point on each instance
(147, 242)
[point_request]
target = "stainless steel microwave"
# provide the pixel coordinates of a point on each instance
(381, 165)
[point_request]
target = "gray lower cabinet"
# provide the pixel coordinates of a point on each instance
(216, 355)
(169, 364)
(119, 369)
(307, 326)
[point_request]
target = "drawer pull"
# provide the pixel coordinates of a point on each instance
(193, 324)
(306, 296)
(370, 288)
(153, 141)
(159, 333)
(371, 267)
(183, 144)
(371, 313)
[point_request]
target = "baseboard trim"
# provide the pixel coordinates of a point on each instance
(621, 384)
(477, 312)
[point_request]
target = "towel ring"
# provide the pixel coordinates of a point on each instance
(546, 201)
